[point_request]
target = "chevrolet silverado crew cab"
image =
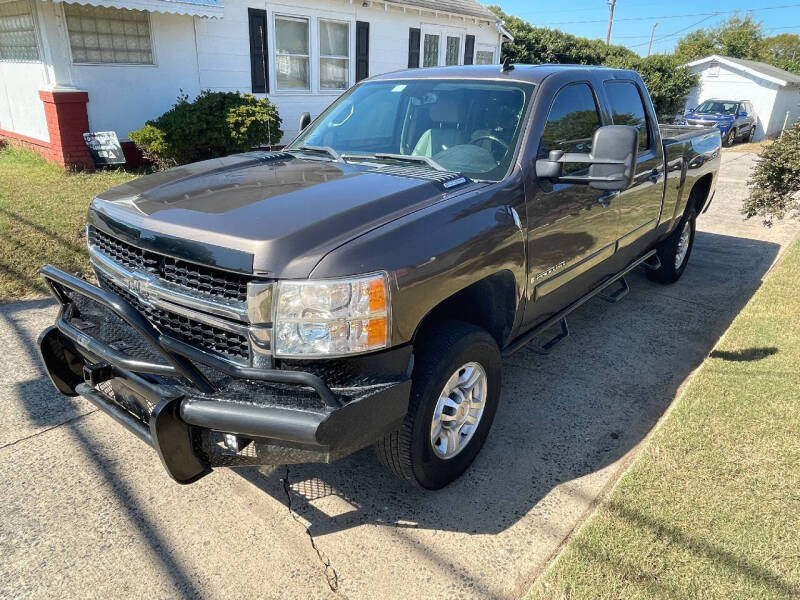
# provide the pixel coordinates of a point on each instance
(362, 286)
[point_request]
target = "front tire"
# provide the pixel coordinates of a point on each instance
(674, 251)
(454, 396)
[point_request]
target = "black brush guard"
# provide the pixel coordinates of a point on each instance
(169, 401)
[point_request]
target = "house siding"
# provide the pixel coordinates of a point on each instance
(194, 53)
(224, 48)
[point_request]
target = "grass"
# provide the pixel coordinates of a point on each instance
(42, 218)
(711, 507)
(754, 147)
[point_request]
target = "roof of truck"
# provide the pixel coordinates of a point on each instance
(520, 72)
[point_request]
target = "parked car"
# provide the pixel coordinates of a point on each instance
(362, 286)
(735, 119)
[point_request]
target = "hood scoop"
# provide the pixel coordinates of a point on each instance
(447, 179)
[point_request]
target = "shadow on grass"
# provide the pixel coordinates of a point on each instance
(745, 355)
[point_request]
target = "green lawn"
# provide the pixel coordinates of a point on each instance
(711, 507)
(42, 216)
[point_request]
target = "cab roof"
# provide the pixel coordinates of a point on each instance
(520, 72)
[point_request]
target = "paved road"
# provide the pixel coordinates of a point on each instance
(86, 510)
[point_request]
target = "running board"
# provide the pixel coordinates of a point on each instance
(618, 294)
(653, 263)
(555, 340)
(529, 336)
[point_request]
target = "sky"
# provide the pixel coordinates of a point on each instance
(634, 19)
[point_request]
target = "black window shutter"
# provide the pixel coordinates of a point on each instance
(362, 50)
(259, 59)
(413, 47)
(469, 49)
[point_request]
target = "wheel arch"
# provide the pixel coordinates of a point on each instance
(489, 303)
(698, 195)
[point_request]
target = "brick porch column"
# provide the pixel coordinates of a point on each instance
(67, 121)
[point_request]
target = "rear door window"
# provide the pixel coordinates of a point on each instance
(628, 109)
(571, 124)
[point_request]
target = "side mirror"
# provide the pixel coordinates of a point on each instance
(305, 120)
(612, 160)
(743, 113)
(690, 110)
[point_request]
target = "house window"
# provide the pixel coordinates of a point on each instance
(98, 34)
(453, 50)
(484, 57)
(334, 55)
(17, 32)
(291, 53)
(430, 50)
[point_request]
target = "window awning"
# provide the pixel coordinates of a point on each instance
(197, 8)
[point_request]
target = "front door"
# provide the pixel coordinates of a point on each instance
(640, 204)
(572, 228)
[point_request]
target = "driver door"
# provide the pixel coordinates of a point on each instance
(573, 228)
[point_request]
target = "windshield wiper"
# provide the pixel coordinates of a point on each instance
(411, 158)
(426, 160)
(323, 149)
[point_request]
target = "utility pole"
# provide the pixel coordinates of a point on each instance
(652, 32)
(611, 3)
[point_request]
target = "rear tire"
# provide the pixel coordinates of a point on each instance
(752, 133)
(674, 251)
(729, 138)
(443, 357)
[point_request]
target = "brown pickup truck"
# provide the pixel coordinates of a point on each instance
(361, 286)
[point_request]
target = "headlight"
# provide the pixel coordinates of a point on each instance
(331, 317)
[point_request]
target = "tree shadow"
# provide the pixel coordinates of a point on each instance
(47, 408)
(561, 416)
(744, 355)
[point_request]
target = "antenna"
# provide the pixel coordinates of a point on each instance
(507, 66)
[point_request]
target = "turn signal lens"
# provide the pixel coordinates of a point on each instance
(331, 317)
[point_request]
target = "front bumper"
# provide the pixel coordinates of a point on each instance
(199, 412)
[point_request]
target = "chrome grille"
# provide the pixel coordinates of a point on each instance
(196, 278)
(203, 335)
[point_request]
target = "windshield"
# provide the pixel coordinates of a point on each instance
(467, 126)
(718, 106)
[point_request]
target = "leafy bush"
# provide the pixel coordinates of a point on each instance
(214, 124)
(775, 182)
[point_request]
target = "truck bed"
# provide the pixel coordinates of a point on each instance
(677, 133)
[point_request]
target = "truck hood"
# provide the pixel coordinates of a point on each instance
(284, 212)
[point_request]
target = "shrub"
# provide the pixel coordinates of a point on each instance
(214, 124)
(775, 181)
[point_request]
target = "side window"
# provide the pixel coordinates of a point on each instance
(571, 124)
(628, 109)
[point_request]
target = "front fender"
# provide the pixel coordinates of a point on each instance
(436, 252)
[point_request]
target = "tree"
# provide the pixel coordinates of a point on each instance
(775, 181)
(669, 83)
(783, 51)
(536, 45)
(736, 37)
(696, 44)
(740, 38)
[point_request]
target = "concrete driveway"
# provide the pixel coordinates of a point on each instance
(87, 511)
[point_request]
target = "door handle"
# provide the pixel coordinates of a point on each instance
(605, 199)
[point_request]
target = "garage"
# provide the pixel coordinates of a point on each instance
(774, 93)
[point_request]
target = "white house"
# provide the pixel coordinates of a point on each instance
(775, 93)
(110, 65)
